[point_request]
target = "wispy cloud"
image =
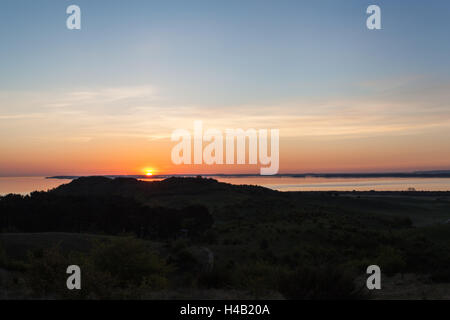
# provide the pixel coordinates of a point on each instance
(142, 111)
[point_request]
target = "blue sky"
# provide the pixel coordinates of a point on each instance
(221, 50)
(140, 69)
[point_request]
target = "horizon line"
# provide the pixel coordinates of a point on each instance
(422, 173)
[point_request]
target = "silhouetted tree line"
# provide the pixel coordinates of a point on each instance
(49, 212)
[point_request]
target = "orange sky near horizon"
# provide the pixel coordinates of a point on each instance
(135, 156)
(402, 132)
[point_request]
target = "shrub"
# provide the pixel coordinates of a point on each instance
(319, 283)
(258, 277)
(128, 260)
(46, 274)
(216, 279)
(2, 256)
(114, 269)
(390, 260)
(264, 244)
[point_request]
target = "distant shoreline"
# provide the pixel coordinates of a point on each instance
(421, 174)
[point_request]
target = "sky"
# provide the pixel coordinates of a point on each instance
(105, 99)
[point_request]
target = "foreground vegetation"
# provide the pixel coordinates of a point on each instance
(198, 238)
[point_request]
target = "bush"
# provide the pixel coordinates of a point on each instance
(441, 275)
(128, 260)
(114, 269)
(258, 277)
(264, 244)
(46, 274)
(319, 283)
(218, 278)
(210, 237)
(2, 256)
(390, 260)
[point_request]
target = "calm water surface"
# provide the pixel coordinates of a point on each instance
(24, 185)
(345, 184)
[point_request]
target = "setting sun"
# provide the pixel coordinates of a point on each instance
(148, 172)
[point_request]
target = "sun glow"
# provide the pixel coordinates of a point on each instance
(148, 172)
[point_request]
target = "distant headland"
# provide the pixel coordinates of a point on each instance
(414, 174)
